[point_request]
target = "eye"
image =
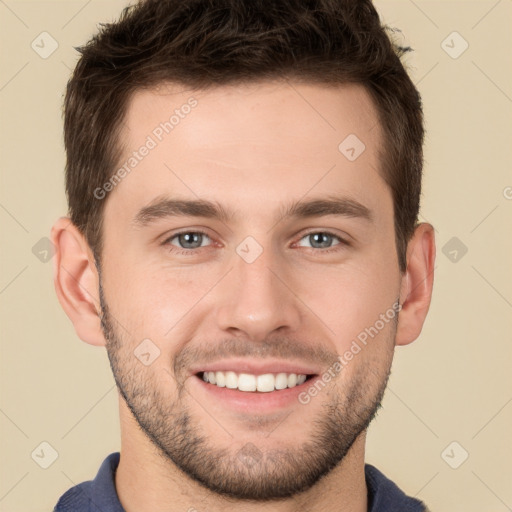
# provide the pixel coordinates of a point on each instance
(323, 240)
(187, 240)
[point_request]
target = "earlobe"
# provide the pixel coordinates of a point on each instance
(76, 281)
(417, 284)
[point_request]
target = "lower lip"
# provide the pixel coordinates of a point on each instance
(254, 401)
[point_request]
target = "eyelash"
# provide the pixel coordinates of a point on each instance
(190, 252)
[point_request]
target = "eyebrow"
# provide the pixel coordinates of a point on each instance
(166, 207)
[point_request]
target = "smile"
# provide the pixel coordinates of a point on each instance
(248, 382)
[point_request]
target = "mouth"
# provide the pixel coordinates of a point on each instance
(254, 383)
(253, 386)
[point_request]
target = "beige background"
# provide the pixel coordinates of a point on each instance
(452, 384)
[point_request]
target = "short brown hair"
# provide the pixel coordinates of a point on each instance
(202, 44)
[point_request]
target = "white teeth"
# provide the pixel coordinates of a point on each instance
(231, 379)
(220, 379)
(281, 381)
(265, 383)
(247, 382)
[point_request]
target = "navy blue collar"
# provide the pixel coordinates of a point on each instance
(98, 495)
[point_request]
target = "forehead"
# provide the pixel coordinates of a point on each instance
(244, 143)
(255, 112)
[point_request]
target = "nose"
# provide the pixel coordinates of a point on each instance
(258, 299)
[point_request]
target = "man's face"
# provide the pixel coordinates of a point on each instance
(259, 293)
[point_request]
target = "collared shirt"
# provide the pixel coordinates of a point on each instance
(99, 495)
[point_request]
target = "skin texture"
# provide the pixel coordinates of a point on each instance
(253, 149)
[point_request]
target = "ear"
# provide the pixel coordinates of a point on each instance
(417, 283)
(76, 281)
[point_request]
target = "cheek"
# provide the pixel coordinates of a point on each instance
(155, 304)
(351, 300)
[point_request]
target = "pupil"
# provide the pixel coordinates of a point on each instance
(189, 236)
(316, 236)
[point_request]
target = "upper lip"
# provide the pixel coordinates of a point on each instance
(256, 367)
